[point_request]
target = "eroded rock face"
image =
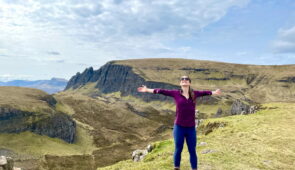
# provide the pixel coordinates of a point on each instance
(58, 125)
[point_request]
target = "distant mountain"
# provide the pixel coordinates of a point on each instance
(50, 86)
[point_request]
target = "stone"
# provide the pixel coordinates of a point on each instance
(202, 144)
(149, 148)
(9, 165)
(138, 154)
(219, 112)
(3, 160)
(238, 107)
(208, 151)
(253, 109)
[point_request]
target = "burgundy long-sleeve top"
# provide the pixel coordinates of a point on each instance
(185, 108)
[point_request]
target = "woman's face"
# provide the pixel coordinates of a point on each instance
(185, 81)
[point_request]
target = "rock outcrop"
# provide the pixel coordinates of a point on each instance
(81, 79)
(118, 78)
(139, 154)
(58, 125)
(239, 107)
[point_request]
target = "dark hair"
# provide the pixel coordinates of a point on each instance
(191, 91)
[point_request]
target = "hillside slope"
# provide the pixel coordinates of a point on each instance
(264, 140)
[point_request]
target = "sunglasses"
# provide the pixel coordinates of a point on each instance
(184, 78)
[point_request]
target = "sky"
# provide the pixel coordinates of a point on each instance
(41, 39)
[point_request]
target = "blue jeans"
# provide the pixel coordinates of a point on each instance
(189, 133)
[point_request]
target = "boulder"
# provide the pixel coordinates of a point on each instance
(149, 148)
(138, 154)
(3, 160)
(6, 163)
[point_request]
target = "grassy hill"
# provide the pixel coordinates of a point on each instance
(260, 83)
(264, 140)
(24, 112)
(111, 125)
(253, 83)
(25, 99)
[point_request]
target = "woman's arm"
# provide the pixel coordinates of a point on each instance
(205, 93)
(216, 92)
(145, 89)
(164, 92)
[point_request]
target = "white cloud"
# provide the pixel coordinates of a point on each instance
(91, 32)
(9, 77)
(286, 41)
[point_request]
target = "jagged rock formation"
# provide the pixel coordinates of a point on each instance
(121, 78)
(118, 78)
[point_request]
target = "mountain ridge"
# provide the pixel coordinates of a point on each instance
(51, 86)
(253, 81)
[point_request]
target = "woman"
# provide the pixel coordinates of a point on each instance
(184, 124)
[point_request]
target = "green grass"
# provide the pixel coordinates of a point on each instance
(24, 99)
(36, 145)
(264, 140)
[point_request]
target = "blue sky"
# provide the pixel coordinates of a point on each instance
(58, 38)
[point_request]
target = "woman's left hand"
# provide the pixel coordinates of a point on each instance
(216, 92)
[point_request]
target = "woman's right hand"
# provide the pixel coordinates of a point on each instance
(142, 89)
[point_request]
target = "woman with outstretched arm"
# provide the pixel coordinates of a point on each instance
(184, 124)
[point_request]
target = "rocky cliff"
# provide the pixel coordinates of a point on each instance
(117, 78)
(24, 109)
(121, 78)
